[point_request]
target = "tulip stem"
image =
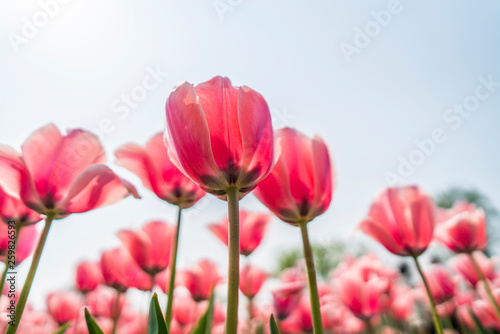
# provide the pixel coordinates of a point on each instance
(369, 327)
(486, 285)
(249, 310)
(173, 264)
(6, 270)
(435, 317)
(311, 280)
(234, 260)
(23, 297)
(116, 311)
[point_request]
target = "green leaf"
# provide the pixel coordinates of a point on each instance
(92, 326)
(479, 326)
(273, 325)
(62, 329)
(204, 325)
(156, 322)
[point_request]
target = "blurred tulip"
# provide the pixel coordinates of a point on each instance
(150, 246)
(251, 280)
(443, 215)
(27, 238)
(61, 175)
(464, 232)
(153, 166)
(37, 322)
(186, 309)
(220, 135)
(402, 304)
(299, 188)
(88, 276)
(13, 209)
(103, 300)
(441, 283)
(286, 297)
(64, 306)
(120, 271)
(200, 279)
(463, 265)
(253, 226)
(401, 219)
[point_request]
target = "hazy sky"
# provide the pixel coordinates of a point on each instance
(377, 79)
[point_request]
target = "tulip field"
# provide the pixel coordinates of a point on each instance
(219, 141)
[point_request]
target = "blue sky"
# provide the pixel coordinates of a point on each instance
(76, 66)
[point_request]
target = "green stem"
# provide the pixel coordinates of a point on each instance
(173, 264)
(6, 270)
(369, 327)
(249, 310)
(23, 298)
(234, 261)
(311, 280)
(435, 317)
(486, 285)
(116, 312)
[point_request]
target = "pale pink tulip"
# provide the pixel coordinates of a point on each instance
(185, 312)
(220, 135)
(462, 264)
(251, 280)
(299, 188)
(150, 246)
(441, 283)
(157, 172)
(253, 226)
(64, 306)
(102, 302)
(401, 219)
(59, 174)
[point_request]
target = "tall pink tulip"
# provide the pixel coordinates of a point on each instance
(150, 246)
(57, 175)
(464, 232)
(157, 172)
(88, 276)
(253, 226)
(463, 265)
(403, 219)
(221, 137)
(251, 280)
(64, 306)
(298, 189)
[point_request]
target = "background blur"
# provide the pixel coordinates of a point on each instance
(401, 90)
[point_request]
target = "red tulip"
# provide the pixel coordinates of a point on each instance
(88, 276)
(27, 238)
(251, 280)
(219, 135)
(252, 229)
(64, 306)
(401, 219)
(157, 172)
(299, 188)
(150, 246)
(61, 174)
(286, 297)
(200, 280)
(13, 209)
(121, 272)
(464, 232)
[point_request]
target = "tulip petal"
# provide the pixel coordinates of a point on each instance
(379, 233)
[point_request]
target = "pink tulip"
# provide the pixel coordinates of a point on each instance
(251, 280)
(150, 246)
(200, 280)
(61, 174)
(464, 232)
(402, 304)
(13, 209)
(88, 276)
(286, 298)
(185, 312)
(64, 306)
(441, 283)
(464, 301)
(220, 135)
(27, 238)
(102, 302)
(401, 219)
(36, 322)
(157, 172)
(299, 188)
(458, 207)
(462, 264)
(252, 229)
(120, 271)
